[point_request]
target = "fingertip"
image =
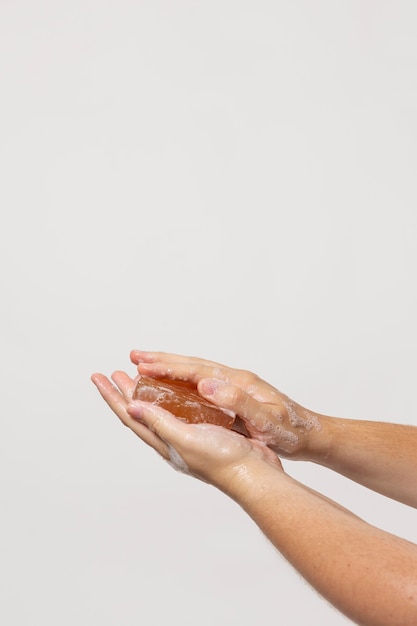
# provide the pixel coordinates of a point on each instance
(134, 356)
(137, 356)
(135, 410)
(117, 373)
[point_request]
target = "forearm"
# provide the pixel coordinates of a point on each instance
(379, 455)
(369, 575)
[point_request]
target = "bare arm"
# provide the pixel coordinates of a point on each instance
(368, 574)
(379, 455)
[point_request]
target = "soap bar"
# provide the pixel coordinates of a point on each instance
(182, 400)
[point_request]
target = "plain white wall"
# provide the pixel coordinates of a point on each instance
(234, 180)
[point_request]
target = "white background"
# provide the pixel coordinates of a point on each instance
(230, 179)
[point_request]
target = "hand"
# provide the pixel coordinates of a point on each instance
(269, 416)
(211, 453)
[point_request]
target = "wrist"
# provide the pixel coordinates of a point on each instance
(319, 440)
(302, 434)
(251, 479)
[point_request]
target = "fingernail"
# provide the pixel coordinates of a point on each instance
(209, 386)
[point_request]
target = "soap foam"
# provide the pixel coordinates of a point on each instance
(309, 420)
(176, 461)
(287, 439)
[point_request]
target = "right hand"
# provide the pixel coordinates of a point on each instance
(269, 416)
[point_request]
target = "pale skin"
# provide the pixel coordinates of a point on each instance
(368, 574)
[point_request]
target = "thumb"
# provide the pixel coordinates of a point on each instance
(231, 398)
(252, 412)
(168, 427)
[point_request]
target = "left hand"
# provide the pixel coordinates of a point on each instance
(266, 414)
(211, 453)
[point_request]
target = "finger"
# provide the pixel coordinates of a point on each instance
(111, 395)
(253, 385)
(125, 383)
(193, 369)
(181, 371)
(148, 437)
(162, 423)
(141, 356)
(233, 398)
(118, 404)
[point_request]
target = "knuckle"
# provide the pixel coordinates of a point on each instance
(156, 426)
(234, 395)
(248, 378)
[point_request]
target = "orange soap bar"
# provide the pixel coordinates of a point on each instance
(182, 400)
